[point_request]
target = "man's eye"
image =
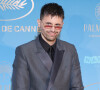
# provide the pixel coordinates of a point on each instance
(57, 25)
(48, 24)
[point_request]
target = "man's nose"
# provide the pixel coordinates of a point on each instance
(53, 28)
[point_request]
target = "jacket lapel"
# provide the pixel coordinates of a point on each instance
(43, 56)
(57, 62)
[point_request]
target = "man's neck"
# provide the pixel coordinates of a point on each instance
(48, 41)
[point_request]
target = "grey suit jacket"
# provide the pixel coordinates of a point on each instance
(33, 69)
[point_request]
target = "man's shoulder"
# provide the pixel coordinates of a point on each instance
(67, 46)
(27, 45)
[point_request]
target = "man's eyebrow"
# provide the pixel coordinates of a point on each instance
(57, 24)
(48, 23)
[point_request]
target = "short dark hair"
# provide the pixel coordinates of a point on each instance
(52, 9)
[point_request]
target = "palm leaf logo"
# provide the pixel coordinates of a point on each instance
(12, 4)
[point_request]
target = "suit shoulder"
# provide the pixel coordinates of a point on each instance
(27, 45)
(67, 46)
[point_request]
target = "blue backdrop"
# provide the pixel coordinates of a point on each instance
(18, 25)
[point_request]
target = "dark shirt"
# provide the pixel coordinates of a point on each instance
(49, 49)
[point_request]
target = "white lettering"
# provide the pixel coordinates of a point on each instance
(4, 28)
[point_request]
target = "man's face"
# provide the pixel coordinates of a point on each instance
(50, 27)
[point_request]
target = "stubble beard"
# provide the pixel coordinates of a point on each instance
(49, 39)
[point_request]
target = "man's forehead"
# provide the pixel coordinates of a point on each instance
(52, 16)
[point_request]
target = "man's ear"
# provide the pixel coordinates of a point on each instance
(38, 21)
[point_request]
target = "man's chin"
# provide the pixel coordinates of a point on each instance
(51, 39)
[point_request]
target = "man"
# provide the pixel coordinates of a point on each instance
(47, 63)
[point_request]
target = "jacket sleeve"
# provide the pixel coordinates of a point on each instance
(20, 76)
(76, 79)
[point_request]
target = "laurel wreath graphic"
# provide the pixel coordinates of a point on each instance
(12, 4)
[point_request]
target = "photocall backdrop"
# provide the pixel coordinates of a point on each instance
(18, 25)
